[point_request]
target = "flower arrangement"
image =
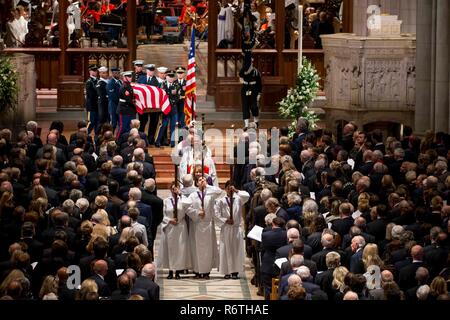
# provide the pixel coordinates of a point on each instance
(297, 100)
(8, 85)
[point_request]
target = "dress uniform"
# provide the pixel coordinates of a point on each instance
(91, 100)
(151, 80)
(127, 109)
(113, 87)
(172, 89)
(102, 93)
(138, 73)
(251, 91)
(180, 104)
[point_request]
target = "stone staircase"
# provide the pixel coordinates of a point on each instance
(165, 169)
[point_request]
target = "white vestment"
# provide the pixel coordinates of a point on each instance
(188, 160)
(225, 25)
(202, 232)
(174, 251)
(231, 244)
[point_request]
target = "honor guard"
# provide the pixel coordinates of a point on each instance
(127, 109)
(173, 92)
(251, 90)
(113, 87)
(91, 100)
(102, 93)
(151, 80)
(180, 104)
(138, 71)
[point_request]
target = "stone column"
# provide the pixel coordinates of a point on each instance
(441, 87)
(423, 112)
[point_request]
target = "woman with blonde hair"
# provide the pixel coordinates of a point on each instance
(338, 279)
(438, 287)
(38, 192)
(88, 290)
(14, 275)
(49, 287)
(101, 218)
(126, 234)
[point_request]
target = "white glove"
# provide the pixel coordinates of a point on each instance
(258, 97)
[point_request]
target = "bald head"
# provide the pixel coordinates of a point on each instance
(100, 267)
(293, 234)
(417, 253)
(387, 276)
(422, 275)
(350, 295)
(52, 139)
(327, 240)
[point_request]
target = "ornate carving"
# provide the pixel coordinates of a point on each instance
(411, 86)
(383, 80)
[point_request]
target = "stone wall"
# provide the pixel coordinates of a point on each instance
(404, 9)
(26, 108)
(369, 79)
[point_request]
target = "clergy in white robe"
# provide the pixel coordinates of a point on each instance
(228, 212)
(174, 251)
(205, 255)
(225, 24)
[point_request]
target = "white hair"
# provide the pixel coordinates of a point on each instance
(148, 270)
(303, 272)
(297, 260)
(310, 206)
(135, 194)
(269, 218)
(188, 180)
(266, 194)
(82, 203)
(150, 185)
(294, 280)
(293, 234)
(423, 292)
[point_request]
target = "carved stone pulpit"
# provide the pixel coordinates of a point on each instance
(370, 79)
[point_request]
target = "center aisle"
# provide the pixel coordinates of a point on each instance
(217, 288)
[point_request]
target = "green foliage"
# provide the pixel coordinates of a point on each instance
(8, 85)
(297, 100)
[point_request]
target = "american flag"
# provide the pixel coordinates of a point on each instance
(191, 86)
(150, 97)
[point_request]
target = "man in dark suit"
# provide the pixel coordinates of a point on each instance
(118, 173)
(100, 270)
(325, 279)
(123, 288)
(377, 138)
(307, 280)
(298, 248)
(366, 167)
(356, 263)
(296, 261)
(91, 100)
(293, 236)
(156, 203)
(328, 242)
(100, 248)
(271, 240)
(377, 227)
(35, 247)
(422, 276)
(407, 275)
(435, 254)
(146, 282)
(148, 168)
(343, 225)
(273, 206)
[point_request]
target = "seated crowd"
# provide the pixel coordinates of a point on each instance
(360, 218)
(355, 219)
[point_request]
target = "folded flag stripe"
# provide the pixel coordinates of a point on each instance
(150, 97)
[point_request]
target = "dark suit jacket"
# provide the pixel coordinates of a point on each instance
(314, 241)
(156, 204)
(283, 252)
(259, 213)
(377, 228)
(150, 287)
(286, 268)
(347, 240)
(118, 174)
(281, 213)
(356, 264)
(407, 276)
(435, 257)
(342, 226)
(319, 259)
(271, 241)
(85, 267)
(325, 281)
(103, 288)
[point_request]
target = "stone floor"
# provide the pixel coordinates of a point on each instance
(217, 288)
